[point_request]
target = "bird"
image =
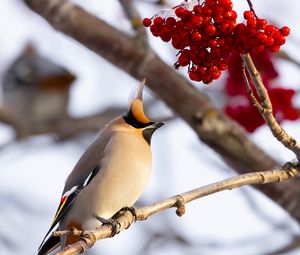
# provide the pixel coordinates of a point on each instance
(36, 90)
(110, 175)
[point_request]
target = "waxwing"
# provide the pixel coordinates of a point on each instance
(36, 90)
(110, 175)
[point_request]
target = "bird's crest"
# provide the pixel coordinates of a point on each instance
(136, 106)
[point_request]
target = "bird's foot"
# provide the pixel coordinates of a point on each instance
(115, 225)
(130, 209)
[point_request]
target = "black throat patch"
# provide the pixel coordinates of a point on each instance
(132, 121)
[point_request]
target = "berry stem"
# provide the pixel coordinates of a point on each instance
(135, 20)
(251, 7)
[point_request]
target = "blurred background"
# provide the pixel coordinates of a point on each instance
(88, 91)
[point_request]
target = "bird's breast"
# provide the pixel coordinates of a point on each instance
(124, 173)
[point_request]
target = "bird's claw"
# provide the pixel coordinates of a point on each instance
(130, 209)
(114, 224)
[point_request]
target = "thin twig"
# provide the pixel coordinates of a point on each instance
(125, 219)
(164, 3)
(278, 132)
(285, 56)
(254, 101)
(136, 22)
(21, 129)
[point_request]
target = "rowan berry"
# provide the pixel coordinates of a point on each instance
(285, 31)
(184, 59)
(147, 22)
(210, 30)
(196, 36)
(179, 12)
(270, 29)
(249, 15)
(197, 9)
(194, 76)
(261, 23)
(197, 21)
(158, 21)
(171, 22)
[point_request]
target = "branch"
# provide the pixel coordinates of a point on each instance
(265, 107)
(135, 20)
(211, 125)
(125, 219)
(21, 129)
(63, 128)
(285, 56)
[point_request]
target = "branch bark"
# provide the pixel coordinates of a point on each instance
(264, 106)
(210, 124)
(136, 22)
(124, 220)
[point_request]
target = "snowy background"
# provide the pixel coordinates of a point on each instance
(32, 173)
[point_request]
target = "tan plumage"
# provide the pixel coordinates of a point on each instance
(110, 175)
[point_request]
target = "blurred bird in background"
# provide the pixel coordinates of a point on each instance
(110, 175)
(36, 90)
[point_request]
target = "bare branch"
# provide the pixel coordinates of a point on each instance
(125, 219)
(9, 118)
(265, 108)
(285, 56)
(136, 22)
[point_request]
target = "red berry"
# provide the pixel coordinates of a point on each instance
(222, 66)
(196, 37)
(269, 41)
(261, 37)
(147, 22)
(201, 69)
(194, 57)
(218, 18)
(270, 29)
(197, 9)
(196, 20)
(184, 59)
(231, 15)
(251, 23)
(225, 3)
(280, 40)
(206, 11)
(213, 43)
(210, 3)
(154, 30)
(171, 22)
(261, 23)
(194, 76)
(158, 21)
(285, 31)
(248, 15)
(179, 12)
(210, 30)
(216, 75)
(274, 48)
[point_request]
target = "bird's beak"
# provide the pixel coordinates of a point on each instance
(156, 125)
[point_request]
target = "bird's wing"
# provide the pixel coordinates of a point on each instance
(88, 161)
(84, 171)
(66, 201)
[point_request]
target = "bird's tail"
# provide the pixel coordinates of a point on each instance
(49, 245)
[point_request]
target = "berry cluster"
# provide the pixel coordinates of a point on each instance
(206, 34)
(257, 35)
